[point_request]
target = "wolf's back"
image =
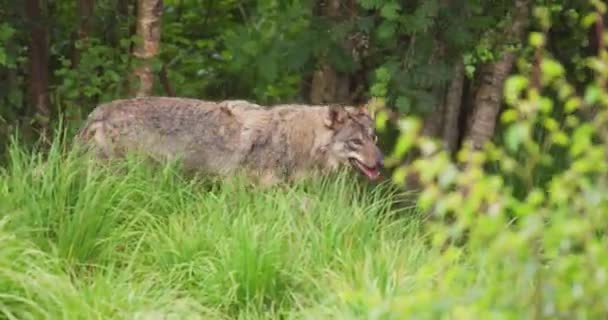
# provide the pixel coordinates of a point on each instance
(207, 135)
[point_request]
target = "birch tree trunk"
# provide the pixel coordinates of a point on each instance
(488, 97)
(148, 29)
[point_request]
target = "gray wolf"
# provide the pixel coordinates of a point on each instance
(283, 142)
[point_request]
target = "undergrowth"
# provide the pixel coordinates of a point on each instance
(134, 241)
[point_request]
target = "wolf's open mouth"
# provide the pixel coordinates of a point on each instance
(371, 172)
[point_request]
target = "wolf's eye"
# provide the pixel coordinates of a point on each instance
(356, 142)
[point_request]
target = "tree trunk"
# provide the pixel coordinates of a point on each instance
(38, 54)
(85, 13)
(127, 9)
(166, 83)
(487, 100)
(453, 104)
(148, 30)
(488, 97)
(79, 44)
(434, 121)
(328, 85)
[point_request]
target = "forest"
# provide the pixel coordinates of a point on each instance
(492, 116)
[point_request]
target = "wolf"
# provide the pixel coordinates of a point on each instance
(283, 142)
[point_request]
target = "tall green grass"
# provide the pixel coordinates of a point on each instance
(81, 240)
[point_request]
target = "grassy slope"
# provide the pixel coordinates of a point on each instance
(85, 243)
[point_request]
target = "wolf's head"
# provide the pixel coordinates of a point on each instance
(354, 139)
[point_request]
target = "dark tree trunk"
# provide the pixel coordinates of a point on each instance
(148, 29)
(436, 123)
(453, 104)
(166, 83)
(327, 84)
(38, 54)
(488, 98)
(85, 14)
(434, 120)
(128, 9)
(80, 36)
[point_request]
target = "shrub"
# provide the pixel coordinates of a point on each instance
(531, 207)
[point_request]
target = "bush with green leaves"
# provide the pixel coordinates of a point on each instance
(532, 206)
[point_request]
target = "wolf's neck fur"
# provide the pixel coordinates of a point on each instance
(288, 139)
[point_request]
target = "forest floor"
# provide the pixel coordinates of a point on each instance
(83, 242)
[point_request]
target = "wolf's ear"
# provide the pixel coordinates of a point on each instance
(364, 110)
(335, 115)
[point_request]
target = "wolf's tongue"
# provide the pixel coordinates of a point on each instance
(372, 174)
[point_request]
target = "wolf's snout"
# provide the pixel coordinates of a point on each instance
(379, 157)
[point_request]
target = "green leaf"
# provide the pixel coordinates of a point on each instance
(403, 104)
(409, 129)
(267, 67)
(551, 69)
(560, 138)
(386, 30)
(573, 104)
(546, 104)
(378, 90)
(592, 94)
(399, 175)
(390, 11)
(509, 115)
(550, 124)
(365, 24)
(513, 88)
(381, 118)
(515, 135)
(3, 60)
(589, 19)
(581, 139)
(469, 71)
(536, 39)
(370, 4)
(6, 32)
(382, 74)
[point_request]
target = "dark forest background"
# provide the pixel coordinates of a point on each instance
(444, 60)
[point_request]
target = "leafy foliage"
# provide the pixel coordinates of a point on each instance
(419, 43)
(534, 203)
